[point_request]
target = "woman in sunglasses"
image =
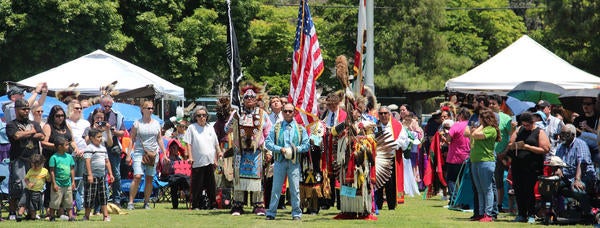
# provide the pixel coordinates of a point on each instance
(55, 127)
(146, 135)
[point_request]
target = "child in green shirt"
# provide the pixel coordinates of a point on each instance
(62, 172)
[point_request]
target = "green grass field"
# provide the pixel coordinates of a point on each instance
(414, 213)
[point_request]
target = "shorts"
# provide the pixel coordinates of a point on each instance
(63, 198)
(16, 183)
(95, 192)
(141, 169)
(34, 200)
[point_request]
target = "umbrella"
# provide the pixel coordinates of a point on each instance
(130, 113)
(50, 101)
(535, 90)
(573, 99)
(517, 107)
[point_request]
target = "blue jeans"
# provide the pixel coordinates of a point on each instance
(115, 165)
(79, 172)
(280, 170)
(483, 177)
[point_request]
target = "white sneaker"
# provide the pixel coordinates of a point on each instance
(444, 198)
(64, 217)
(12, 217)
(107, 219)
(147, 206)
(130, 206)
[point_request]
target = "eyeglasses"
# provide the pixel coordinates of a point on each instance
(59, 116)
(587, 103)
(288, 111)
(149, 108)
(383, 113)
(77, 108)
(249, 97)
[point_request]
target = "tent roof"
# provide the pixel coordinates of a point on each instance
(524, 60)
(99, 69)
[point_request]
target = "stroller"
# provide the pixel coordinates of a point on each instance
(553, 206)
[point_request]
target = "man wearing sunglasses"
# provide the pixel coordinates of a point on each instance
(286, 140)
(253, 126)
(25, 136)
(115, 120)
(394, 188)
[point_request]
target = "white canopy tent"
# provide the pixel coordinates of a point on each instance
(98, 69)
(524, 60)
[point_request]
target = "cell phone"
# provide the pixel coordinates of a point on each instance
(101, 123)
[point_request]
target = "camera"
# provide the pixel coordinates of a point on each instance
(101, 123)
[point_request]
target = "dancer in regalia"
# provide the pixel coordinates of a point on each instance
(250, 126)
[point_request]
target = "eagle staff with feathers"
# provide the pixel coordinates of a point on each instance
(364, 159)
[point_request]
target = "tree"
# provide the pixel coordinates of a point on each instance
(38, 35)
(572, 31)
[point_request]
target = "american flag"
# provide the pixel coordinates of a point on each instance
(361, 39)
(235, 65)
(306, 69)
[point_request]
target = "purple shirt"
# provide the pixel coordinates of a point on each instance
(460, 146)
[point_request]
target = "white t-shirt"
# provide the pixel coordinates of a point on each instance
(77, 130)
(147, 133)
(203, 141)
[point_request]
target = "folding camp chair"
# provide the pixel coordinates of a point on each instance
(4, 173)
(156, 186)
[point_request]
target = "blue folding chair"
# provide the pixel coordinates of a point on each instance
(4, 173)
(156, 186)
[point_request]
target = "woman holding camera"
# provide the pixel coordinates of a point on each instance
(527, 148)
(147, 140)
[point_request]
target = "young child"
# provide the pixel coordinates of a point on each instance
(62, 173)
(34, 180)
(96, 165)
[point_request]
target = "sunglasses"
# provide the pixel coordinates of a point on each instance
(108, 106)
(249, 97)
(59, 116)
(40, 111)
(384, 113)
(288, 111)
(77, 108)
(202, 115)
(149, 108)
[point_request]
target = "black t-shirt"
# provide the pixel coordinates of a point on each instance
(24, 147)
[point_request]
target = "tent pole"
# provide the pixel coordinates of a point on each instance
(162, 104)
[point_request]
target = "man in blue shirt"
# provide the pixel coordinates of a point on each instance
(579, 170)
(285, 140)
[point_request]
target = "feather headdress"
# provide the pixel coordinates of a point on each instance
(68, 94)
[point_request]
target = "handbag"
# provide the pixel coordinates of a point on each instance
(149, 157)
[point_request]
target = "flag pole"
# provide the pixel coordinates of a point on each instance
(370, 63)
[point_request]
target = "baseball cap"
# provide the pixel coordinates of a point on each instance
(21, 103)
(14, 90)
